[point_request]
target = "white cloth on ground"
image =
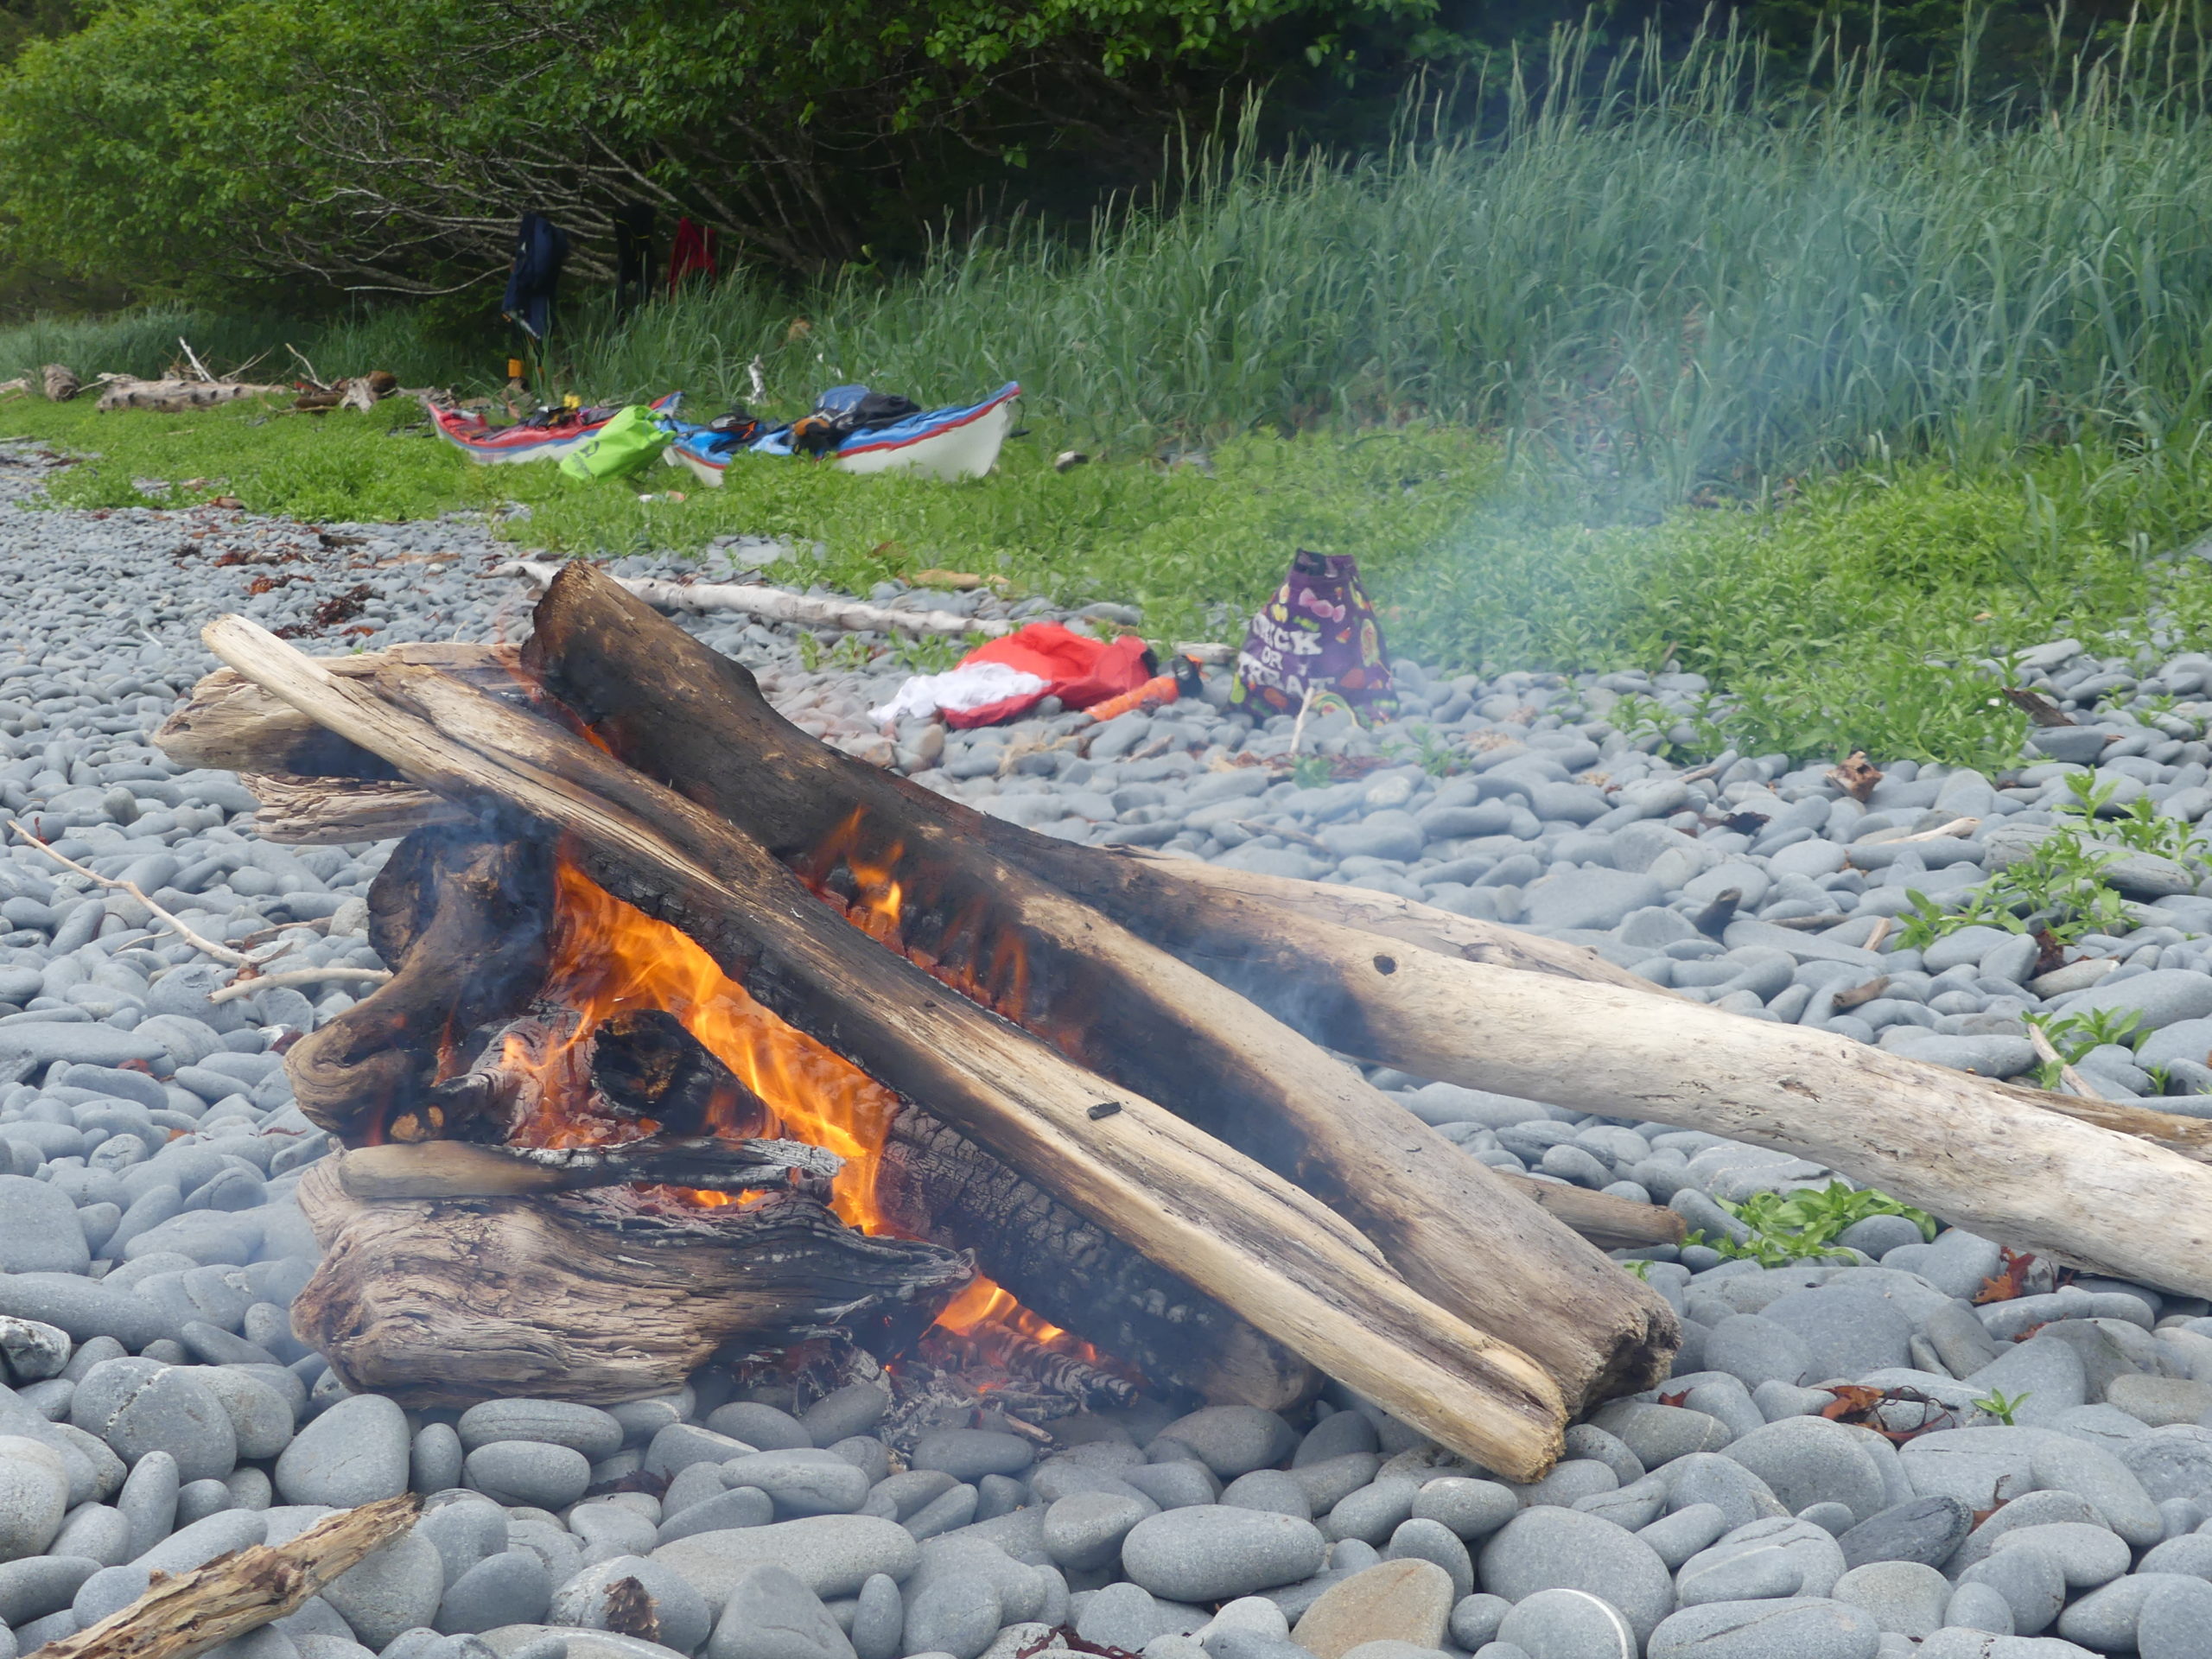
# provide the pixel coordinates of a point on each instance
(972, 685)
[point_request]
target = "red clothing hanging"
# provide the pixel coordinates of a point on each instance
(692, 253)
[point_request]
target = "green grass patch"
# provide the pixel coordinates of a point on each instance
(1864, 611)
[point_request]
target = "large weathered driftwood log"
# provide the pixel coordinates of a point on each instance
(441, 1302)
(1227, 1226)
(176, 397)
(236, 1593)
(1113, 1003)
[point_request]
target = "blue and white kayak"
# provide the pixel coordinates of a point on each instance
(958, 442)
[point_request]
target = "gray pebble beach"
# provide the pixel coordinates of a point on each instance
(158, 1412)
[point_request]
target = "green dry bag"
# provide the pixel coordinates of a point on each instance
(620, 448)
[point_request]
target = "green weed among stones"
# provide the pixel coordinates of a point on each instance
(1803, 1225)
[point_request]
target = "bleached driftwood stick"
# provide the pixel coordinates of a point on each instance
(197, 941)
(295, 977)
(193, 1611)
(778, 605)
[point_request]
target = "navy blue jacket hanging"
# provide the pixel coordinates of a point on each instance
(541, 249)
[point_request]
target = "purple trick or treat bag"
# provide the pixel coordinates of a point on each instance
(1317, 633)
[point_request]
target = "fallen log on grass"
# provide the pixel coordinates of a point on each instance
(176, 397)
(236, 1593)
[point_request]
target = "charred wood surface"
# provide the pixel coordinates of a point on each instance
(1245, 1236)
(463, 918)
(693, 720)
(595, 1297)
(935, 1183)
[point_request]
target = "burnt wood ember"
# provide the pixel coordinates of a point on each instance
(1198, 1208)
(460, 916)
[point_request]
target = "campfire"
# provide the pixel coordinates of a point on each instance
(705, 1040)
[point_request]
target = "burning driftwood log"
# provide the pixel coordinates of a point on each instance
(433, 1334)
(1200, 1211)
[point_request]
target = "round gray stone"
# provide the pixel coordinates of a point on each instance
(1569, 1624)
(556, 1422)
(528, 1472)
(33, 1496)
(744, 1506)
(1232, 1440)
(1471, 1509)
(833, 1554)
(969, 1454)
(1269, 1489)
(1084, 1531)
(38, 1229)
(1903, 1596)
(759, 1425)
(1417, 1540)
(2176, 1622)
(353, 1453)
(587, 1600)
(2088, 1555)
(395, 1589)
(159, 1408)
(771, 1614)
(802, 1482)
(1927, 1530)
(1803, 1628)
(1807, 1461)
(1561, 1549)
(1210, 1553)
(512, 1587)
(879, 1619)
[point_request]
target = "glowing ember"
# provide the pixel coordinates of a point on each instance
(986, 966)
(610, 959)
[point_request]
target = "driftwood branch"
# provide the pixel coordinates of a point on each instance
(459, 1169)
(193, 1611)
(593, 1297)
(198, 941)
(779, 606)
(294, 978)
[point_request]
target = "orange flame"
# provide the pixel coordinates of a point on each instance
(986, 965)
(609, 958)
